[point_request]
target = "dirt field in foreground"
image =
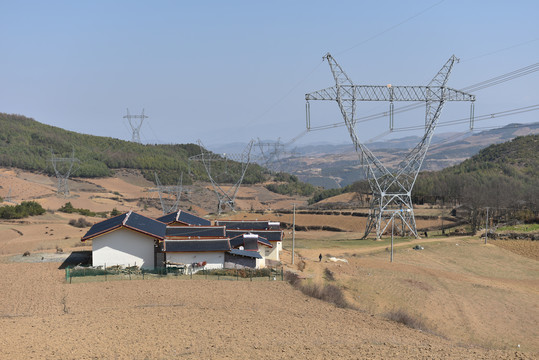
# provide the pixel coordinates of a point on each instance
(42, 317)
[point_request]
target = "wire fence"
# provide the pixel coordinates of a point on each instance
(116, 273)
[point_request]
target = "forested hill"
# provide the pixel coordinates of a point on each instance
(503, 175)
(27, 144)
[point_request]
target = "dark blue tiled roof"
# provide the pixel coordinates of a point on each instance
(240, 240)
(104, 226)
(236, 241)
(271, 235)
(196, 231)
(196, 245)
(264, 241)
(168, 218)
(129, 220)
(146, 225)
(246, 253)
(184, 217)
(249, 225)
(191, 219)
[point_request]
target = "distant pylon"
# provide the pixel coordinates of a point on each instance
(135, 126)
(63, 172)
(224, 173)
(272, 155)
(8, 197)
(169, 196)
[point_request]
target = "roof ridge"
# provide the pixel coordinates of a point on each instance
(178, 215)
(126, 217)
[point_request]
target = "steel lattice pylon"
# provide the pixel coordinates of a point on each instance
(63, 172)
(272, 154)
(169, 195)
(135, 127)
(391, 190)
(219, 174)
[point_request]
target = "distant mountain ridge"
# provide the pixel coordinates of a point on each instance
(332, 166)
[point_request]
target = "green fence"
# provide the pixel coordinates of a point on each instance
(115, 273)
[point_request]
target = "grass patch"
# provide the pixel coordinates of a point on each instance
(340, 242)
(403, 317)
(520, 228)
(328, 292)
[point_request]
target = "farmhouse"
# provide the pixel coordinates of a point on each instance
(181, 238)
(129, 239)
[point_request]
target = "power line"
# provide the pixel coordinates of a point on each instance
(501, 50)
(477, 118)
(390, 28)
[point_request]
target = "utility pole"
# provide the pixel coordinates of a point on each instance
(392, 228)
(293, 233)
(486, 227)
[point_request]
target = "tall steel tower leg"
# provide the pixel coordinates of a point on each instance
(225, 197)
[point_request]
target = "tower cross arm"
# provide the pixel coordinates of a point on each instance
(390, 93)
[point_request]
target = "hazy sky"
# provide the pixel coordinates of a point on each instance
(229, 71)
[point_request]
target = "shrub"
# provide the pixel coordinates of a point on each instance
(25, 209)
(328, 275)
(68, 208)
(292, 278)
(79, 223)
(328, 293)
(403, 317)
(115, 212)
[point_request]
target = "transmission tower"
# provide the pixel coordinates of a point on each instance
(9, 198)
(225, 169)
(272, 154)
(63, 168)
(391, 190)
(170, 195)
(135, 124)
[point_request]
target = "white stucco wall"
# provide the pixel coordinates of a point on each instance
(123, 247)
(260, 263)
(214, 260)
(272, 253)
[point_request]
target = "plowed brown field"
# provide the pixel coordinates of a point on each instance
(43, 317)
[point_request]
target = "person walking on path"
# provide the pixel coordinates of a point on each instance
(320, 258)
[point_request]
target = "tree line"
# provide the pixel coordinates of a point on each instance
(27, 144)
